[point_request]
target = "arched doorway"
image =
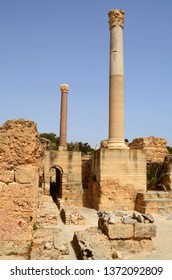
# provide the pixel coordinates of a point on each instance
(56, 182)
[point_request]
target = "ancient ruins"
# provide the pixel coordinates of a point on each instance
(60, 204)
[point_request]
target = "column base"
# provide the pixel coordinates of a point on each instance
(117, 144)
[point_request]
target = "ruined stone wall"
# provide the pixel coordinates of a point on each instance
(155, 148)
(20, 166)
(70, 165)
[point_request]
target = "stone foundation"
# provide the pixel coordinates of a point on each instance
(117, 175)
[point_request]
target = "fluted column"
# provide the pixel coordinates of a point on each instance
(63, 116)
(116, 81)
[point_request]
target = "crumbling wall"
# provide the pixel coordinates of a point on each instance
(114, 196)
(20, 165)
(109, 195)
(117, 175)
(155, 148)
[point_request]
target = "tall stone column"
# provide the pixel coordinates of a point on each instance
(63, 116)
(116, 81)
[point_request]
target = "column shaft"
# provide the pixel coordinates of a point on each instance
(63, 116)
(116, 81)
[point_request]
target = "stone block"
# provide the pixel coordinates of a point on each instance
(122, 245)
(6, 176)
(15, 248)
(6, 203)
(23, 204)
(118, 231)
(21, 190)
(142, 231)
(146, 245)
(25, 174)
(91, 244)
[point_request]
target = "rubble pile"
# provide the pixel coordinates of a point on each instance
(71, 216)
(128, 232)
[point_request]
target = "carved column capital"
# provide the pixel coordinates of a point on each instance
(64, 88)
(116, 17)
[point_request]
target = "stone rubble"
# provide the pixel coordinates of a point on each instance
(91, 244)
(71, 216)
(112, 217)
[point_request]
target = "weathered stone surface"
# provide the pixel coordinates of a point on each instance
(148, 217)
(144, 230)
(25, 174)
(15, 248)
(45, 245)
(91, 244)
(6, 176)
(61, 245)
(146, 245)
(128, 220)
(118, 231)
(71, 216)
(127, 245)
(21, 153)
(154, 202)
(112, 195)
(21, 144)
(69, 165)
(117, 176)
(155, 148)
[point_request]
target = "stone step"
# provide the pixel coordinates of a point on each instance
(154, 195)
(154, 210)
(157, 202)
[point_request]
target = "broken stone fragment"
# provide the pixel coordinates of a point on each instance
(47, 246)
(128, 220)
(148, 217)
(111, 220)
(100, 213)
(139, 218)
(61, 245)
(135, 215)
(105, 217)
(118, 213)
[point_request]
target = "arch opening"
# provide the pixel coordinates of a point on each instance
(55, 183)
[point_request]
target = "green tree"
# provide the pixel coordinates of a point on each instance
(54, 139)
(84, 148)
(73, 146)
(169, 149)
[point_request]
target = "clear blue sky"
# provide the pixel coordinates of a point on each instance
(44, 43)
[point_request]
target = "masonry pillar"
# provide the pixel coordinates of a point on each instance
(63, 116)
(116, 81)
